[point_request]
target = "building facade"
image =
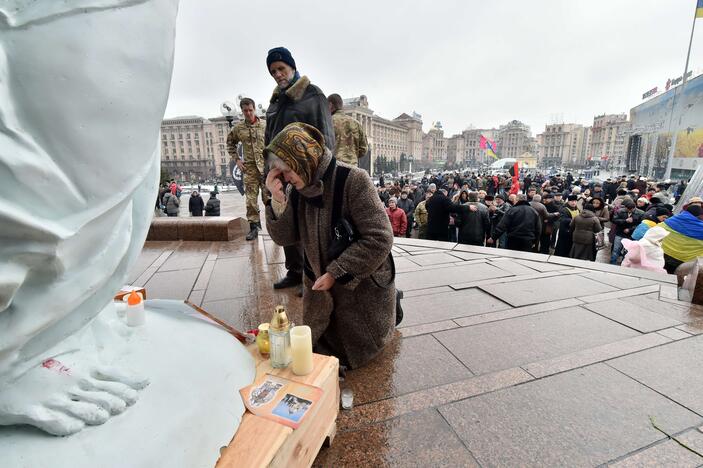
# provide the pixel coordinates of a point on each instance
(434, 145)
(561, 145)
(515, 139)
(194, 148)
(608, 140)
(400, 139)
(666, 135)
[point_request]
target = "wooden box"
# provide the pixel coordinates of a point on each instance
(260, 442)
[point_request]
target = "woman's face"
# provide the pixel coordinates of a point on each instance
(596, 204)
(293, 178)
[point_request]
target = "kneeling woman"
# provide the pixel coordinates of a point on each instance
(349, 298)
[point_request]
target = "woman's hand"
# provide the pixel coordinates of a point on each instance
(275, 185)
(323, 283)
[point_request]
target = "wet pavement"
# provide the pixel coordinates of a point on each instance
(503, 358)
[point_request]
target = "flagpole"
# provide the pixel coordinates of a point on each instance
(667, 173)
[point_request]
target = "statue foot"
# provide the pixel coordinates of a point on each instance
(61, 398)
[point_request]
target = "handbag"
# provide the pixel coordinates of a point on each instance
(343, 232)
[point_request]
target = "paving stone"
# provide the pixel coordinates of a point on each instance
(442, 306)
(619, 294)
(512, 266)
(618, 281)
(608, 268)
(231, 278)
(585, 417)
(512, 278)
(146, 258)
(667, 454)
(432, 327)
(674, 333)
(171, 284)
(422, 292)
(632, 316)
(591, 356)
(675, 370)
(517, 312)
(403, 264)
(540, 266)
(408, 244)
(515, 342)
(468, 255)
(653, 304)
(404, 366)
(196, 297)
(204, 276)
(433, 259)
(188, 255)
(444, 276)
(381, 410)
(416, 440)
(553, 288)
(241, 313)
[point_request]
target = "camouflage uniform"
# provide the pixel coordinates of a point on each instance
(251, 136)
(351, 144)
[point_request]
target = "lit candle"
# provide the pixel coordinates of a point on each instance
(301, 348)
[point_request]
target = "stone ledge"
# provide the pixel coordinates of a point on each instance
(206, 228)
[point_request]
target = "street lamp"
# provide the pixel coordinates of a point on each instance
(229, 112)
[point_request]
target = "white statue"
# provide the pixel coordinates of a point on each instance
(83, 88)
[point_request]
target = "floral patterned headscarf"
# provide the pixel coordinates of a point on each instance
(301, 147)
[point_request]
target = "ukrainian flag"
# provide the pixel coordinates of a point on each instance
(699, 9)
(685, 239)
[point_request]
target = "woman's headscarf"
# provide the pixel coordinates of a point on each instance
(301, 147)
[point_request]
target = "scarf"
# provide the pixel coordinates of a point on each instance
(300, 146)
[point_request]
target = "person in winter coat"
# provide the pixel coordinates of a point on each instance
(568, 212)
(583, 229)
(196, 204)
(399, 222)
(474, 224)
(651, 219)
(349, 302)
(548, 226)
(522, 225)
(295, 99)
(600, 209)
(172, 203)
(624, 221)
(212, 208)
(438, 209)
(408, 206)
(421, 216)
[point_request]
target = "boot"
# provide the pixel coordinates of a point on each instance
(253, 231)
(398, 308)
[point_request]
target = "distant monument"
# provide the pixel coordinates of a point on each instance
(83, 89)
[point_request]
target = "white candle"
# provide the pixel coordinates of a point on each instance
(301, 349)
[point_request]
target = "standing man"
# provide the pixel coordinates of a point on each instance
(350, 139)
(250, 133)
(294, 99)
(522, 225)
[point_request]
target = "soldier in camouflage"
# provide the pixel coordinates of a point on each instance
(351, 144)
(250, 133)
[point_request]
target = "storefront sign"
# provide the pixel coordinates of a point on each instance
(651, 92)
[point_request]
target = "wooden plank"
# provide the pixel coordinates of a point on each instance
(260, 442)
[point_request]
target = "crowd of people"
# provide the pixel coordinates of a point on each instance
(559, 215)
(168, 201)
(337, 229)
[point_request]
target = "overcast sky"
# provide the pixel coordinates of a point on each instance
(460, 62)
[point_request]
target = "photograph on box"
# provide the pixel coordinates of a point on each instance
(281, 400)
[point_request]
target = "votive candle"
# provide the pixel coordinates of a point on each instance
(301, 349)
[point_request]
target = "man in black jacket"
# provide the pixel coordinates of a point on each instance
(438, 208)
(522, 224)
(295, 99)
(474, 224)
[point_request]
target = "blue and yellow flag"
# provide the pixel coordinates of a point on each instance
(699, 9)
